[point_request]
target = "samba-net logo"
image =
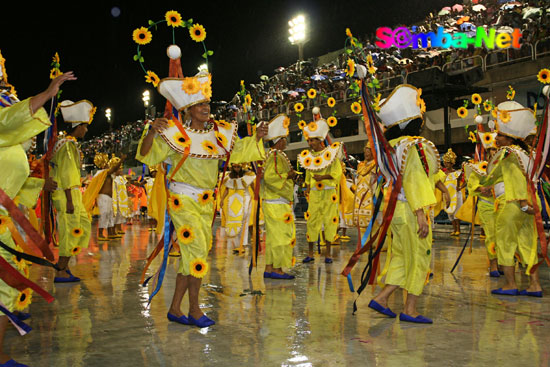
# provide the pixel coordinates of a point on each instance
(402, 37)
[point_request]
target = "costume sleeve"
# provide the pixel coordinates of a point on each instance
(158, 153)
(474, 182)
(247, 150)
(28, 194)
(416, 183)
(515, 182)
(67, 170)
(275, 181)
(335, 170)
(18, 124)
(439, 176)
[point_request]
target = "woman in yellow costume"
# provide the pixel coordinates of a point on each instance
(364, 192)
(121, 201)
(73, 221)
(515, 231)
(323, 173)
(418, 162)
(194, 149)
(453, 184)
(19, 122)
(277, 192)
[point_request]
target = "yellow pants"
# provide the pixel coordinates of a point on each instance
(74, 229)
(323, 212)
(410, 255)
(487, 217)
(515, 233)
(280, 234)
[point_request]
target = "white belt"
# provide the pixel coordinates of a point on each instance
(324, 188)
(499, 189)
(181, 188)
(277, 201)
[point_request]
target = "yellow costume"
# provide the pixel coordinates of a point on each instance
(364, 194)
(440, 205)
(121, 202)
(346, 199)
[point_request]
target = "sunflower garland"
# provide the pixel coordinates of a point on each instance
(476, 98)
(510, 93)
(198, 268)
(472, 137)
(350, 68)
(142, 36)
(182, 140)
(487, 105)
(544, 76)
(331, 102)
(221, 139)
(319, 186)
(24, 299)
(293, 242)
(462, 112)
(223, 124)
(306, 215)
(304, 153)
(334, 198)
(312, 126)
(317, 161)
(504, 116)
(307, 162)
(332, 121)
(152, 78)
(327, 155)
(186, 234)
(173, 19)
(483, 166)
(356, 107)
(334, 220)
(20, 264)
(298, 107)
(197, 33)
(311, 93)
(302, 124)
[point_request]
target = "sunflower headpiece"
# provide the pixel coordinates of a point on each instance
(514, 120)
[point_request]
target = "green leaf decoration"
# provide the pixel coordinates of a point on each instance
(349, 51)
(466, 127)
(210, 52)
(136, 57)
(204, 56)
(141, 59)
(151, 22)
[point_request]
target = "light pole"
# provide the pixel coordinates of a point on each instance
(108, 115)
(298, 34)
(145, 98)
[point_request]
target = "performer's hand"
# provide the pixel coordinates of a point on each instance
(318, 177)
(160, 124)
(261, 130)
(50, 184)
(423, 226)
(292, 174)
(53, 88)
(447, 199)
(70, 207)
(485, 191)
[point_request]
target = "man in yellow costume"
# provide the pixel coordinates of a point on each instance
(193, 148)
(515, 231)
(277, 192)
(73, 221)
(418, 162)
(19, 122)
(323, 173)
(453, 184)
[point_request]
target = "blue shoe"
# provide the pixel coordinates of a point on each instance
(70, 279)
(494, 274)
(267, 274)
(308, 259)
(418, 319)
(525, 292)
(281, 276)
(378, 307)
(501, 272)
(12, 363)
(505, 292)
(203, 321)
(180, 320)
(328, 260)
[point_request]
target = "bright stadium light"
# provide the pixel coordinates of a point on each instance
(298, 33)
(108, 114)
(146, 97)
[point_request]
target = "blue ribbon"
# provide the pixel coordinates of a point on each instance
(15, 319)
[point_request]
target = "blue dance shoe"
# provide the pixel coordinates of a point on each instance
(180, 320)
(12, 363)
(525, 292)
(494, 274)
(378, 307)
(505, 292)
(308, 259)
(418, 319)
(281, 276)
(267, 274)
(328, 260)
(203, 321)
(70, 279)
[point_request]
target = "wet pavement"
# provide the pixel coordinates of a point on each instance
(105, 321)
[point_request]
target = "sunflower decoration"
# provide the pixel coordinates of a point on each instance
(76, 232)
(24, 299)
(293, 242)
(312, 126)
(197, 33)
(376, 103)
(334, 220)
(348, 33)
(487, 105)
(20, 264)
(142, 36)
(488, 139)
(293, 261)
(334, 198)
(355, 107)
(335, 145)
(174, 203)
(298, 107)
(198, 268)
(223, 124)
(3, 223)
(327, 155)
(182, 139)
(504, 116)
(173, 19)
(317, 161)
(311, 93)
(186, 234)
(304, 153)
(510, 93)
(248, 100)
(331, 102)
(483, 166)
(221, 139)
(319, 185)
(492, 249)
(206, 90)
(476, 99)
(152, 78)
(332, 121)
(472, 137)
(55, 72)
(308, 239)
(287, 218)
(462, 112)
(307, 162)
(544, 76)
(206, 197)
(306, 215)
(350, 68)
(306, 135)
(76, 250)
(302, 124)
(209, 147)
(190, 85)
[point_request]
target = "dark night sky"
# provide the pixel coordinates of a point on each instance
(249, 38)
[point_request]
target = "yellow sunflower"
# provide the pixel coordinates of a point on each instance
(287, 218)
(311, 93)
(494, 112)
(331, 102)
(306, 135)
(355, 107)
(223, 124)
(317, 161)
(206, 90)
(476, 98)
(20, 264)
(327, 155)
(206, 197)
(334, 198)
(248, 99)
(302, 124)
(3, 223)
(511, 93)
(350, 68)
(182, 140)
(197, 33)
(286, 122)
(332, 121)
(298, 107)
(24, 299)
(487, 106)
(185, 234)
(209, 147)
(198, 268)
(221, 139)
(76, 250)
(306, 215)
(307, 162)
(175, 204)
(483, 166)
(334, 220)
(312, 126)
(152, 78)
(142, 36)
(348, 33)
(304, 153)
(54, 73)
(76, 232)
(544, 76)
(504, 116)
(487, 138)
(422, 106)
(472, 137)
(335, 145)
(462, 112)
(190, 85)
(173, 19)
(492, 249)
(293, 242)
(319, 185)
(293, 261)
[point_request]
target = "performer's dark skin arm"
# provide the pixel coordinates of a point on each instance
(70, 206)
(322, 177)
(41, 98)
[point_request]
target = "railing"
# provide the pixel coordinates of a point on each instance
(465, 63)
(509, 56)
(544, 42)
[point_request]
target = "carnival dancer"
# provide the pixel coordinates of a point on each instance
(194, 149)
(149, 182)
(121, 201)
(73, 221)
(364, 191)
(277, 193)
(323, 173)
(515, 231)
(418, 162)
(453, 184)
(346, 195)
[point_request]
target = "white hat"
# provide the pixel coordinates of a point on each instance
(81, 112)
(401, 106)
(278, 127)
(186, 92)
(514, 120)
(487, 139)
(316, 129)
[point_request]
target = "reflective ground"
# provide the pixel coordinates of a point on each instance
(104, 320)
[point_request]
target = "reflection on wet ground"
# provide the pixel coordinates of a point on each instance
(105, 321)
